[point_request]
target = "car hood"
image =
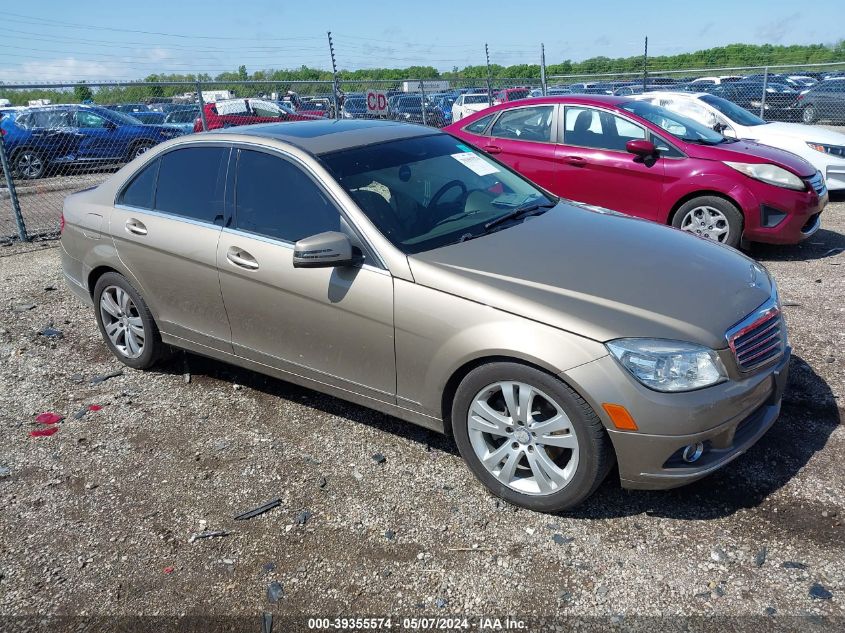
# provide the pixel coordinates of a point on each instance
(602, 275)
(812, 133)
(751, 152)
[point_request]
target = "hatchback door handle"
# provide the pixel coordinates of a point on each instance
(493, 149)
(241, 258)
(577, 161)
(136, 226)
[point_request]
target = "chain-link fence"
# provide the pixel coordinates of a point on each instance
(62, 138)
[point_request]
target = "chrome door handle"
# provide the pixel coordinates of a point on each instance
(241, 258)
(136, 226)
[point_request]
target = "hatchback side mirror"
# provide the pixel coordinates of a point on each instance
(641, 147)
(325, 250)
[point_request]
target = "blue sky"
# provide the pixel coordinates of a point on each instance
(54, 40)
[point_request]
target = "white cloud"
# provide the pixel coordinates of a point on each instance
(73, 68)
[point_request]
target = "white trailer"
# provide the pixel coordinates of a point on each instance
(428, 85)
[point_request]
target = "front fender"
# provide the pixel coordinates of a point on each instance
(704, 184)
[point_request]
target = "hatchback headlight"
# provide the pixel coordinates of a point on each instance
(665, 365)
(771, 174)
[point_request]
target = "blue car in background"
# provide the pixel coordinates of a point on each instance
(40, 140)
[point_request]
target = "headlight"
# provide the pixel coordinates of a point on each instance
(665, 365)
(835, 150)
(771, 174)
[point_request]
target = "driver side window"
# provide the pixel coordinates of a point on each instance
(89, 119)
(525, 124)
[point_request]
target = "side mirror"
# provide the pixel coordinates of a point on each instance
(641, 147)
(325, 250)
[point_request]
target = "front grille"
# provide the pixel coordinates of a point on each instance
(759, 338)
(817, 183)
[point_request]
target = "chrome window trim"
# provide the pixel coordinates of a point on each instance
(552, 128)
(167, 216)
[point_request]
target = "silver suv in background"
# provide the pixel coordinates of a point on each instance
(394, 266)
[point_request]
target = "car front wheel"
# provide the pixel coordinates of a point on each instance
(528, 437)
(809, 115)
(712, 218)
(29, 165)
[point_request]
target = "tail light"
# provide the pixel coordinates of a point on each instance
(799, 97)
(2, 132)
(198, 125)
(62, 223)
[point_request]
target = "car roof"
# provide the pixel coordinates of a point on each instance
(323, 136)
(578, 99)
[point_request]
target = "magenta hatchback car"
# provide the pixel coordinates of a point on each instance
(641, 159)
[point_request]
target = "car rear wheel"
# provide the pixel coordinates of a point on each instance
(139, 148)
(710, 217)
(126, 323)
(528, 437)
(28, 164)
(808, 115)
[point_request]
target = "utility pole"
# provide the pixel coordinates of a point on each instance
(335, 85)
(489, 82)
(543, 68)
(645, 65)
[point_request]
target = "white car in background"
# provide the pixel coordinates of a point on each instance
(469, 103)
(714, 81)
(822, 148)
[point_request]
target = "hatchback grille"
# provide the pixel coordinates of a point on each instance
(817, 183)
(758, 339)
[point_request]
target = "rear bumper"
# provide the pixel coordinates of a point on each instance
(727, 419)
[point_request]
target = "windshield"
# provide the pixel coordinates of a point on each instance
(122, 118)
(475, 98)
(430, 191)
(675, 124)
(410, 102)
(735, 113)
(513, 95)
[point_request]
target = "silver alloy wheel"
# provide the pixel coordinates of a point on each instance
(29, 165)
(809, 114)
(141, 149)
(708, 222)
(523, 438)
(121, 321)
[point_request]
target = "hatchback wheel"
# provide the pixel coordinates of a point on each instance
(809, 115)
(710, 217)
(528, 437)
(29, 164)
(126, 323)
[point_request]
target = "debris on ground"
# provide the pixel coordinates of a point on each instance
(168, 570)
(302, 517)
(378, 458)
(207, 534)
(267, 623)
(560, 539)
(51, 332)
(48, 417)
(96, 380)
(249, 514)
(25, 307)
(760, 556)
(791, 564)
(818, 592)
(45, 432)
(5, 471)
(275, 590)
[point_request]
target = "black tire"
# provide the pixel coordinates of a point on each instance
(808, 115)
(728, 209)
(154, 350)
(137, 149)
(596, 456)
(29, 164)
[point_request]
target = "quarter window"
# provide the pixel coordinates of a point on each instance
(191, 183)
(585, 127)
(525, 124)
(478, 127)
(276, 198)
(141, 191)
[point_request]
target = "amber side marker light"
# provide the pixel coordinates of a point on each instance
(620, 417)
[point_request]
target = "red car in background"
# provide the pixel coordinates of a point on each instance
(511, 94)
(234, 112)
(643, 160)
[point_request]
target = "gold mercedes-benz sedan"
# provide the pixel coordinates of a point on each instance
(394, 266)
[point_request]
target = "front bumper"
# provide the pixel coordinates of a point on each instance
(727, 419)
(801, 211)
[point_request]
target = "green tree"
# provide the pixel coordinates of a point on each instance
(82, 93)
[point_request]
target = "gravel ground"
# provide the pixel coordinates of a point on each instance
(97, 519)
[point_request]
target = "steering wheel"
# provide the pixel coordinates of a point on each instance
(449, 185)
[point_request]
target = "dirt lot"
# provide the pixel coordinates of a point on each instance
(98, 518)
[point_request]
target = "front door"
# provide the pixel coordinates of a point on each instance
(333, 325)
(165, 226)
(593, 165)
(522, 138)
(98, 138)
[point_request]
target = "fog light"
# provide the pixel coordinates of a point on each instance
(693, 452)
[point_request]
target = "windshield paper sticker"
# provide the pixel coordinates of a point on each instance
(475, 163)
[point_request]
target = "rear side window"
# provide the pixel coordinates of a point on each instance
(192, 182)
(478, 127)
(276, 198)
(525, 124)
(141, 190)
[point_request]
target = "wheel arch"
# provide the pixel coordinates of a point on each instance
(701, 194)
(95, 275)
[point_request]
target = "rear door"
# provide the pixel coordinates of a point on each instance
(165, 226)
(594, 166)
(522, 137)
(332, 325)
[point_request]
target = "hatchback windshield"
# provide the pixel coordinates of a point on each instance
(677, 125)
(735, 113)
(429, 191)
